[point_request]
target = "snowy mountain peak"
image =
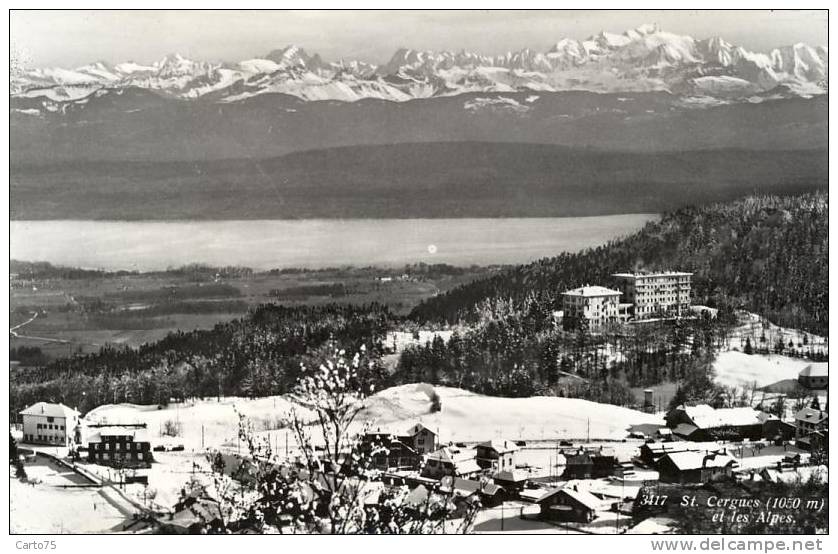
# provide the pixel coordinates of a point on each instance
(645, 58)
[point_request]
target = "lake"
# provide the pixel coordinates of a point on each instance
(267, 244)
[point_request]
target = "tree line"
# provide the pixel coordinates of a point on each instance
(257, 355)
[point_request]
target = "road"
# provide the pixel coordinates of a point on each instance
(14, 334)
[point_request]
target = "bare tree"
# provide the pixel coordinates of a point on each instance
(331, 486)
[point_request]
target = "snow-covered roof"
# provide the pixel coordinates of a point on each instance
(585, 498)
(416, 429)
(810, 415)
(696, 460)
(706, 417)
(793, 475)
(589, 291)
(682, 446)
(463, 462)
(652, 274)
(654, 526)
(498, 445)
(137, 434)
(514, 476)
(50, 410)
(684, 429)
(818, 369)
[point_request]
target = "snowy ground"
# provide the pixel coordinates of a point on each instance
(465, 417)
(468, 417)
(754, 327)
(741, 370)
(71, 509)
(735, 368)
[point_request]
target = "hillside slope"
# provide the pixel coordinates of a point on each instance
(768, 254)
(135, 124)
(434, 180)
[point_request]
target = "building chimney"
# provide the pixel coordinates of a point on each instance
(648, 397)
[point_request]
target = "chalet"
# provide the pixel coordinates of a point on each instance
(490, 494)
(814, 376)
(652, 452)
(785, 474)
(705, 423)
(52, 424)
(695, 467)
(579, 465)
(117, 445)
(421, 439)
(809, 420)
(604, 460)
(450, 461)
(497, 455)
(567, 504)
(811, 429)
(513, 481)
(389, 452)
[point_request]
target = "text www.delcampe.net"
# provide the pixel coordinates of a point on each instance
(743, 545)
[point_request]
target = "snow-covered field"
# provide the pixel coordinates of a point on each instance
(467, 416)
(70, 510)
(735, 368)
(740, 370)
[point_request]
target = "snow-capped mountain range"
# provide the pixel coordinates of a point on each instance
(642, 59)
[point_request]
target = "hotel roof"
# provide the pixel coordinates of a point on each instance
(592, 291)
(50, 410)
(653, 274)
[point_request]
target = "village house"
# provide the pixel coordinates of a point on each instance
(497, 455)
(651, 452)
(420, 438)
(705, 423)
(52, 424)
(119, 445)
(489, 494)
(450, 461)
(814, 376)
(811, 428)
(567, 504)
(513, 481)
(590, 306)
(389, 452)
(653, 295)
(578, 465)
(695, 467)
(794, 474)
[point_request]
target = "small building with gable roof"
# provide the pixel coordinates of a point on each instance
(52, 424)
(496, 454)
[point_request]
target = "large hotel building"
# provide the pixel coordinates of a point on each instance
(644, 296)
(665, 294)
(593, 304)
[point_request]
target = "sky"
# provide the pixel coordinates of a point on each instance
(74, 38)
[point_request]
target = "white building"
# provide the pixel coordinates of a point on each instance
(663, 294)
(594, 305)
(53, 424)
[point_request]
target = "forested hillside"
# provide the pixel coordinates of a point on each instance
(766, 254)
(258, 355)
